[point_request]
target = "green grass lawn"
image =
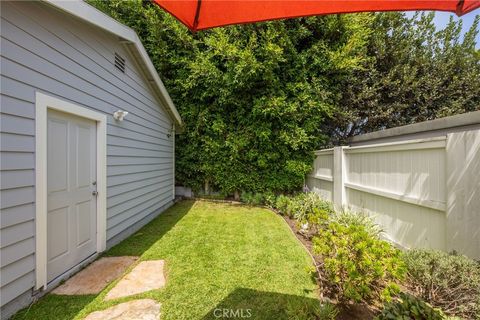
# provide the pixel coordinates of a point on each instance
(218, 256)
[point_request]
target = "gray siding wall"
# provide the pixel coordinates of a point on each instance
(47, 51)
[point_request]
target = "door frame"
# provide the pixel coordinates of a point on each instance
(43, 103)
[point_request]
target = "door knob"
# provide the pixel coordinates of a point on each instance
(94, 193)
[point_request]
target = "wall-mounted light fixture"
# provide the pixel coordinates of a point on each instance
(119, 115)
(171, 131)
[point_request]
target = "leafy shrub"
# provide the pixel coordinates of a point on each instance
(358, 265)
(305, 207)
(252, 198)
(409, 307)
(246, 197)
(349, 218)
(270, 199)
(447, 281)
(282, 204)
(310, 207)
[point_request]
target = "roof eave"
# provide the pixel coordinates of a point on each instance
(129, 37)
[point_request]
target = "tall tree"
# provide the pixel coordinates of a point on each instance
(415, 73)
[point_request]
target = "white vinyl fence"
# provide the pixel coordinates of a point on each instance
(423, 193)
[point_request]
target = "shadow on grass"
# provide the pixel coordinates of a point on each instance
(53, 307)
(143, 239)
(254, 304)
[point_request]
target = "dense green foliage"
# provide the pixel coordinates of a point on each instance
(253, 97)
(355, 265)
(447, 281)
(408, 307)
(414, 73)
(257, 99)
(358, 265)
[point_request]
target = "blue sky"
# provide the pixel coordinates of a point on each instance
(442, 18)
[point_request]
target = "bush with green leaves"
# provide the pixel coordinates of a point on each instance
(283, 204)
(408, 307)
(305, 208)
(450, 282)
(358, 265)
(252, 198)
(311, 208)
(350, 218)
(269, 199)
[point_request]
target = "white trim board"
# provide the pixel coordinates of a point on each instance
(42, 104)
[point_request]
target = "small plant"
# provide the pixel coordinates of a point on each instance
(358, 265)
(282, 204)
(313, 310)
(258, 199)
(327, 311)
(269, 199)
(246, 197)
(447, 281)
(409, 307)
(311, 208)
(306, 208)
(349, 218)
(252, 198)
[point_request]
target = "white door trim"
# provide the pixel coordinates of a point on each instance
(42, 104)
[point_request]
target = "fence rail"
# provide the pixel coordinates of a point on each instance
(423, 192)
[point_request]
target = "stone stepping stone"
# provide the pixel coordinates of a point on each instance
(96, 276)
(142, 309)
(146, 276)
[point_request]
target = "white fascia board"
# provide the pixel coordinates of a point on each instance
(96, 17)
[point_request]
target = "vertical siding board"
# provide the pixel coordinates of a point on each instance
(409, 171)
(463, 203)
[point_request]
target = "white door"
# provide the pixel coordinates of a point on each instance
(71, 192)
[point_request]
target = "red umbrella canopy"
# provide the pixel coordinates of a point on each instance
(204, 14)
